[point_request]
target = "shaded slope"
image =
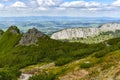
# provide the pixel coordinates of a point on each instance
(9, 39)
(1, 32)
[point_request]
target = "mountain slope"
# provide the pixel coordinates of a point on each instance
(89, 68)
(9, 39)
(1, 32)
(63, 57)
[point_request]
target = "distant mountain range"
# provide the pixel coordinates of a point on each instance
(48, 24)
(54, 18)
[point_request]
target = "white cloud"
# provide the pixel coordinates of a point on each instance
(18, 4)
(42, 8)
(1, 6)
(58, 7)
(80, 4)
(116, 3)
(47, 4)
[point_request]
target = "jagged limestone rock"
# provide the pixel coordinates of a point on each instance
(84, 32)
(110, 27)
(75, 33)
(31, 37)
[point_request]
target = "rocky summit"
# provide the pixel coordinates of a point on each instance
(31, 37)
(85, 32)
(14, 30)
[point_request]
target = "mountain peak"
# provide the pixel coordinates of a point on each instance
(31, 37)
(14, 30)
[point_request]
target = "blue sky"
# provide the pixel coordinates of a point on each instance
(81, 8)
(103, 1)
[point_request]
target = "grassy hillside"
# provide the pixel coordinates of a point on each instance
(64, 55)
(9, 39)
(89, 68)
(1, 32)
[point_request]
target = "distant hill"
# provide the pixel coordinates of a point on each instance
(54, 18)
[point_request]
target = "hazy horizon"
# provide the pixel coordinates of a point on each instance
(49, 25)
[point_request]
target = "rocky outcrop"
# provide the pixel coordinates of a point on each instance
(84, 32)
(110, 27)
(11, 29)
(31, 37)
(14, 30)
(75, 33)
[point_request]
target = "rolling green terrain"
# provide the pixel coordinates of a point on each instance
(50, 59)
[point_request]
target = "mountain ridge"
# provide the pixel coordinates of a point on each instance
(76, 33)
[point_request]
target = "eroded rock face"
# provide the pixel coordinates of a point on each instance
(31, 37)
(110, 27)
(84, 32)
(75, 33)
